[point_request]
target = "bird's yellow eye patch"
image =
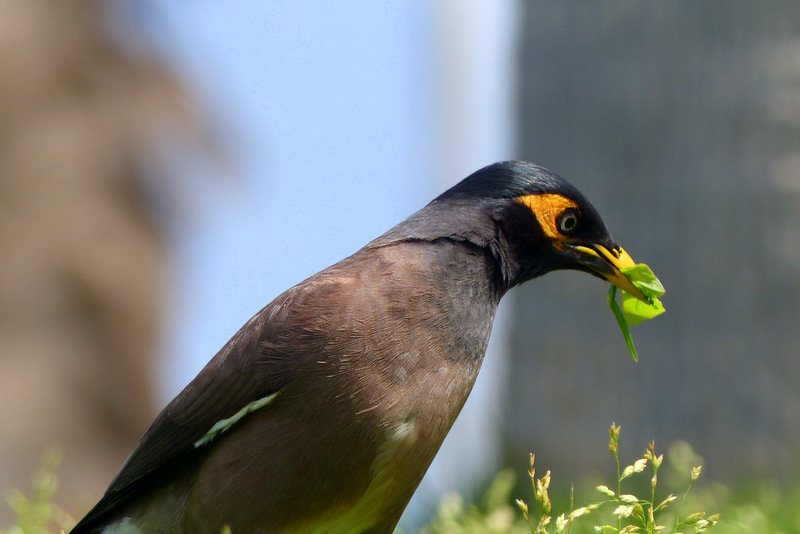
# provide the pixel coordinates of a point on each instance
(546, 208)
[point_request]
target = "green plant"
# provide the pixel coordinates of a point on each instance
(632, 513)
(38, 514)
(493, 515)
(635, 502)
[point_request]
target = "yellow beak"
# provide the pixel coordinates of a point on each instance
(613, 262)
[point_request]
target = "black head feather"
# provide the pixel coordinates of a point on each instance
(510, 179)
(484, 210)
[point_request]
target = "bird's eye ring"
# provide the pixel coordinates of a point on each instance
(567, 221)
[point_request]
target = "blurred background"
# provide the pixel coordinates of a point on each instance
(167, 168)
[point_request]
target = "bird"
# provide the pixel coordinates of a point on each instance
(323, 412)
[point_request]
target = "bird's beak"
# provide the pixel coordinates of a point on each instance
(608, 264)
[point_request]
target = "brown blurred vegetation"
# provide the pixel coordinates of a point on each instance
(82, 268)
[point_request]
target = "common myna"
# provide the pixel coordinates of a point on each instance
(324, 410)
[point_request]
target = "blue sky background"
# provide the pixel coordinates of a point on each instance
(336, 124)
(318, 115)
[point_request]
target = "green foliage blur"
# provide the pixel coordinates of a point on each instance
(38, 514)
(656, 493)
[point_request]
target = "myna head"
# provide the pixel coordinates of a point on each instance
(533, 220)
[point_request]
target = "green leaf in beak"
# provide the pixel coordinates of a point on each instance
(644, 280)
(634, 310)
(623, 324)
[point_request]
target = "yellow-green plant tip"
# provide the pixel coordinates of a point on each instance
(578, 512)
(691, 519)
(663, 504)
(696, 470)
(613, 437)
(522, 505)
(637, 467)
(561, 523)
(628, 471)
(605, 490)
(623, 510)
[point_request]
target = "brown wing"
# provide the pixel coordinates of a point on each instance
(251, 366)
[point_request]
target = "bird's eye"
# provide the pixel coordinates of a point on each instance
(567, 221)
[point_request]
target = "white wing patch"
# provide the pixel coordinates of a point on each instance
(223, 425)
(125, 526)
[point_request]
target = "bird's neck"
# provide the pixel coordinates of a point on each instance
(460, 223)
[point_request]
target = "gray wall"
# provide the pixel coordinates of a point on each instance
(680, 121)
